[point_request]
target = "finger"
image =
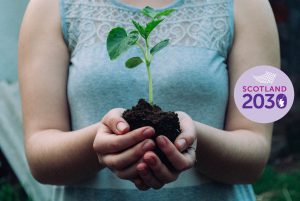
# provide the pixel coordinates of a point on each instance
(128, 157)
(113, 119)
(129, 173)
(108, 143)
(187, 137)
(159, 170)
(179, 160)
(147, 176)
(140, 184)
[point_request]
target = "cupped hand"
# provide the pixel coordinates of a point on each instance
(181, 154)
(118, 151)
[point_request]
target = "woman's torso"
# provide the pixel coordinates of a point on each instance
(189, 75)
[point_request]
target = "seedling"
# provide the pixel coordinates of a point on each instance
(144, 113)
(119, 41)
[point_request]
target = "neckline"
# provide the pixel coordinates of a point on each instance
(175, 3)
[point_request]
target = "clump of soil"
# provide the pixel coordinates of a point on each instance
(164, 123)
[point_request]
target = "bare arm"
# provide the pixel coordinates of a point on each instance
(55, 154)
(239, 154)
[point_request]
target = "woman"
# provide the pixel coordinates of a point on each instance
(72, 99)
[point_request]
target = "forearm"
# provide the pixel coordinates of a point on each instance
(57, 157)
(230, 156)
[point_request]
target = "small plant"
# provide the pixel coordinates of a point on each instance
(118, 42)
(144, 113)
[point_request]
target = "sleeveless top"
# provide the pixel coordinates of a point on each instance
(189, 75)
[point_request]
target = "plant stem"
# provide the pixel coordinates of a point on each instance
(150, 83)
(148, 63)
(141, 48)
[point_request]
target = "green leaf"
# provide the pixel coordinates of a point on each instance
(133, 62)
(150, 26)
(139, 27)
(165, 12)
(159, 46)
(118, 41)
(133, 36)
(148, 11)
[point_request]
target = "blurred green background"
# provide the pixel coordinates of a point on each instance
(281, 178)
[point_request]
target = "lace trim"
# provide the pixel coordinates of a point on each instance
(195, 23)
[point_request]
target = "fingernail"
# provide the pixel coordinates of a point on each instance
(148, 146)
(143, 171)
(121, 126)
(148, 132)
(181, 143)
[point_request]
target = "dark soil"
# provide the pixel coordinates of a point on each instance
(164, 123)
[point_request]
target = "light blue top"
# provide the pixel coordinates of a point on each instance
(189, 75)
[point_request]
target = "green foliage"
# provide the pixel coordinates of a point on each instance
(164, 13)
(159, 46)
(139, 28)
(145, 31)
(119, 42)
(133, 62)
(277, 186)
(9, 192)
(150, 26)
(150, 12)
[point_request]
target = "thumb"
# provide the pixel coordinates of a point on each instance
(113, 119)
(185, 141)
(187, 137)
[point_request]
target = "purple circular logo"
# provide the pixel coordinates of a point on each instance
(264, 94)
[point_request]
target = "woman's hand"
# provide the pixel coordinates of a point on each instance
(182, 156)
(121, 153)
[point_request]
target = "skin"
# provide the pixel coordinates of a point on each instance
(241, 151)
(57, 155)
(131, 164)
